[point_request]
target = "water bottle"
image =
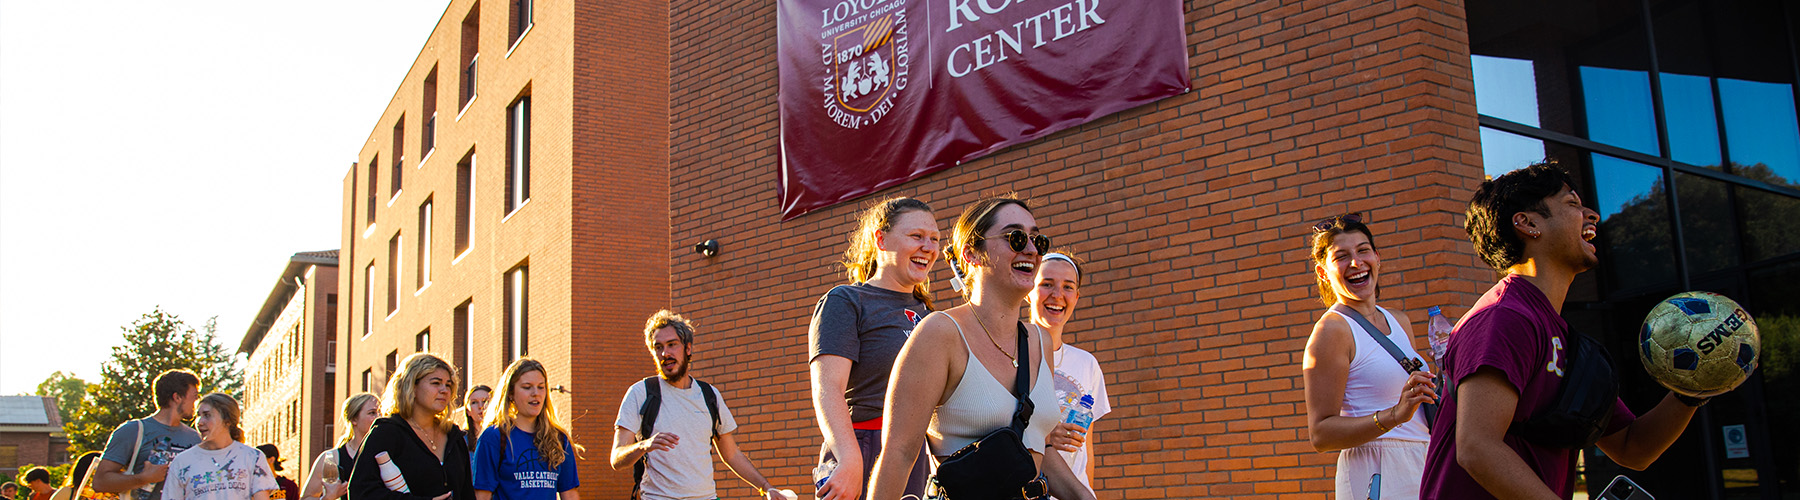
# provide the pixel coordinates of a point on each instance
(1082, 413)
(1438, 333)
(390, 473)
(823, 473)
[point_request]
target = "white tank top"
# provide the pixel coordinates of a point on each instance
(1376, 380)
(979, 405)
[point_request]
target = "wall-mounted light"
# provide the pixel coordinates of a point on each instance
(561, 389)
(707, 248)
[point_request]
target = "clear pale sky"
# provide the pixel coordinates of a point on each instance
(175, 154)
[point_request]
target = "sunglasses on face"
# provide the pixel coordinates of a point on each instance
(1329, 222)
(1017, 239)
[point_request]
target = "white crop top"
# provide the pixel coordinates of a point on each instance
(1375, 379)
(979, 405)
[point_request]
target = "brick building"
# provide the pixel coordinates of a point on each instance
(512, 200)
(31, 433)
(1193, 212)
(289, 379)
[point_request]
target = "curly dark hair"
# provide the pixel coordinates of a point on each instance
(1490, 212)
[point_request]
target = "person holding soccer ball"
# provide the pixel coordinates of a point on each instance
(1509, 355)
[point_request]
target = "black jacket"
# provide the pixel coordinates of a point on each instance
(425, 476)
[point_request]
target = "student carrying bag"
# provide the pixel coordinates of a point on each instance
(997, 466)
(647, 426)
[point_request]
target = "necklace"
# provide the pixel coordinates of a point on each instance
(990, 336)
(429, 439)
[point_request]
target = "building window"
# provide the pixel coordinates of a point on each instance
(422, 343)
(368, 378)
(465, 196)
(374, 175)
(423, 246)
(471, 43)
(399, 157)
(462, 325)
(518, 153)
(331, 334)
(368, 325)
(520, 19)
(428, 131)
(517, 309)
(393, 276)
(393, 364)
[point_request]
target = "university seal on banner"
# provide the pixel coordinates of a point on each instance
(867, 60)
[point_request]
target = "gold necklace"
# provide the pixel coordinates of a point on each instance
(990, 336)
(430, 440)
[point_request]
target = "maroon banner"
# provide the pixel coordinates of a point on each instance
(875, 93)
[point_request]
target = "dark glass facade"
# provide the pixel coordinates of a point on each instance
(1680, 118)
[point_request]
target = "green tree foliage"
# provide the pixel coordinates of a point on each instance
(57, 474)
(156, 342)
(1642, 249)
(67, 390)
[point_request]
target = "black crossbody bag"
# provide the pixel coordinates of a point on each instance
(998, 466)
(1583, 407)
(1410, 365)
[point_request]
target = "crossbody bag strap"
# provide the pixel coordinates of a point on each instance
(1386, 343)
(135, 448)
(1022, 385)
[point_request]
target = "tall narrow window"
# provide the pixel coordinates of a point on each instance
(517, 308)
(331, 333)
(462, 325)
(422, 343)
(368, 325)
(374, 175)
(520, 19)
(471, 43)
(428, 130)
(518, 153)
(423, 259)
(393, 277)
(368, 379)
(465, 196)
(399, 157)
(393, 364)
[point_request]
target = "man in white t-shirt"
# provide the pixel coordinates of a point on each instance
(677, 461)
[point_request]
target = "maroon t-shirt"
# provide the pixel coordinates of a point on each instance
(1513, 329)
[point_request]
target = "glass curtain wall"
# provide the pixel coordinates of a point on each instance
(1680, 118)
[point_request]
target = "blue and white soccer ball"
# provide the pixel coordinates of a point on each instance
(1699, 344)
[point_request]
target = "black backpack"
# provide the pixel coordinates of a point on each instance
(653, 406)
(1583, 407)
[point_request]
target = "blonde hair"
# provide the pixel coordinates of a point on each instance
(859, 260)
(352, 409)
(397, 400)
(550, 431)
(229, 411)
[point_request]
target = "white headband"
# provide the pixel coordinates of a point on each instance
(1058, 256)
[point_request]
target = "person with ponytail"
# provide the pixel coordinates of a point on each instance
(221, 467)
(949, 389)
(858, 329)
(524, 452)
(474, 412)
(329, 478)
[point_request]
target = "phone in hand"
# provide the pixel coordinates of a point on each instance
(1621, 488)
(1375, 486)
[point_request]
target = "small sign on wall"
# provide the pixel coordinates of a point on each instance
(1737, 442)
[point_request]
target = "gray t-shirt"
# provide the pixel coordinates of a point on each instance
(686, 471)
(161, 444)
(868, 325)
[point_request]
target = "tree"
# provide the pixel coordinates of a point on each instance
(67, 390)
(158, 341)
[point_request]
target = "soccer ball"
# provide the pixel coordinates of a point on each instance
(1699, 344)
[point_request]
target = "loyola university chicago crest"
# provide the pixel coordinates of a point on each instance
(866, 58)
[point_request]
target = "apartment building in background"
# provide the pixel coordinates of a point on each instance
(288, 380)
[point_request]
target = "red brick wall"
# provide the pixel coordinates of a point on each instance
(1193, 211)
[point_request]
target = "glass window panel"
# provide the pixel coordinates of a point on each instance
(1693, 128)
(1634, 223)
(1506, 88)
(1760, 125)
(1771, 302)
(1618, 108)
(1769, 223)
(1503, 152)
(1707, 227)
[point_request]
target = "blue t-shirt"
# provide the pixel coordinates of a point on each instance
(513, 470)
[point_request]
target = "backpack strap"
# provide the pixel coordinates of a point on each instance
(652, 406)
(1406, 362)
(712, 404)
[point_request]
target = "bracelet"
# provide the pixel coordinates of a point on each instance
(1377, 418)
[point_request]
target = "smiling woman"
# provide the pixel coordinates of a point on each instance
(196, 474)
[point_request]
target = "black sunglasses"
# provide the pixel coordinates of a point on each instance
(1017, 238)
(1329, 222)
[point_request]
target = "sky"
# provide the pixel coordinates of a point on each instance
(175, 154)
